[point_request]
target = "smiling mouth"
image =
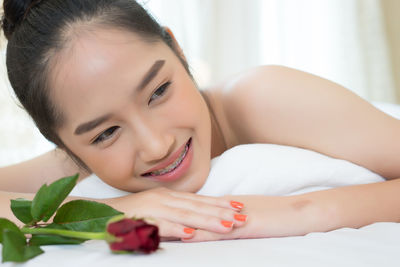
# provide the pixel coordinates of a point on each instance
(173, 165)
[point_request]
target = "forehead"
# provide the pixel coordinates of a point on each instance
(97, 65)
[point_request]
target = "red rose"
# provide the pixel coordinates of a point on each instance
(134, 235)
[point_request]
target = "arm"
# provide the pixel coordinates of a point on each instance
(284, 106)
(28, 176)
(320, 211)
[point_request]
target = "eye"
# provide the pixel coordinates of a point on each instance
(159, 92)
(105, 135)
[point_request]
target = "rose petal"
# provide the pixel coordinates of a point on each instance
(123, 226)
(144, 232)
(130, 242)
(136, 235)
(149, 239)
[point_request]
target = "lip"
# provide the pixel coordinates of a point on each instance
(179, 170)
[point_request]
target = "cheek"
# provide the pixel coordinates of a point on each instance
(193, 106)
(114, 164)
(188, 105)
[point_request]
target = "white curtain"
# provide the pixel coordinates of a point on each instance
(219, 37)
(341, 40)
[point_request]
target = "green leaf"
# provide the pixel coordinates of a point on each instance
(22, 210)
(49, 198)
(85, 216)
(9, 225)
(55, 226)
(40, 204)
(15, 247)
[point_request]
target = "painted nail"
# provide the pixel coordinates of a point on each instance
(240, 217)
(227, 224)
(188, 230)
(237, 205)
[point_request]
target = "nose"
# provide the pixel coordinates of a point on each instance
(155, 144)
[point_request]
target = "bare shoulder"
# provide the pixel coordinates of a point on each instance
(280, 105)
(232, 99)
(270, 92)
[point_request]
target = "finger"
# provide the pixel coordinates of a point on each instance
(207, 209)
(172, 231)
(202, 236)
(216, 201)
(196, 220)
(166, 239)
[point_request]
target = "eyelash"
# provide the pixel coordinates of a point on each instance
(163, 88)
(110, 131)
(105, 135)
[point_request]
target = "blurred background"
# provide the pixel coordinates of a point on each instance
(355, 43)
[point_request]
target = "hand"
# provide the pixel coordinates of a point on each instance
(268, 216)
(173, 211)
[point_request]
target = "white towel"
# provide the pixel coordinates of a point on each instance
(269, 169)
(261, 169)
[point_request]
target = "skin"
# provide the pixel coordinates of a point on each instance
(268, 104)
(93, 78)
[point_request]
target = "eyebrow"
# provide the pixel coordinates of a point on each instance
(147, 78)
(151, 73)
(90, 125)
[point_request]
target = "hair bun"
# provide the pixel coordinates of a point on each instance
(14, 13)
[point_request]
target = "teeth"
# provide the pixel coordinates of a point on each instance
(173, 165)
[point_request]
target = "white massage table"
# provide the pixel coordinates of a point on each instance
(371, 246)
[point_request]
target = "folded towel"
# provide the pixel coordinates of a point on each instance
(269, 169)
(265, 169)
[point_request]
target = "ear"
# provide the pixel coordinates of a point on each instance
(175, 42)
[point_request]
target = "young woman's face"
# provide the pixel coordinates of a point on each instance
(132, 113)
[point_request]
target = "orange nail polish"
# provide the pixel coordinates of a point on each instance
(227, 224)
(240, 217)
(237, 205)
(188, 230)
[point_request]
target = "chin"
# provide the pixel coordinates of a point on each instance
(194, 182)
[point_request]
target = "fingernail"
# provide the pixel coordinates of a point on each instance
(188, 230)
(240, 217)
(227, 224)
(237, 205)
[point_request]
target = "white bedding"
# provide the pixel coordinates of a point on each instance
(371, 246)
(263, 169)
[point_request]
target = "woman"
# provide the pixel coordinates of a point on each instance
(112, 89)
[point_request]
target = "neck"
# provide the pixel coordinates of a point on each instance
(217, 141)
(218, 145)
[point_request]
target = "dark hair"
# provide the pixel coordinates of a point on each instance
(37, 29)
